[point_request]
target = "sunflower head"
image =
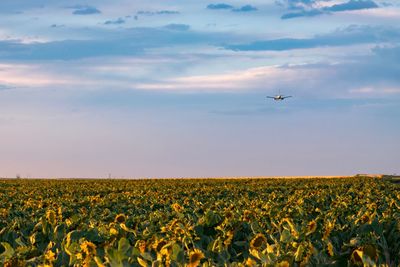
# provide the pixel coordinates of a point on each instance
(88, 248)
(356, 256)
(247, 215)
(330, 249)
(229, 237)
(50, 256)
(120, 218)
(158, 244)
(113, 231)
(176, 207)
(258, 241)
(283, 264)
(311, 227)
(250, 262)
(229, 215)
(51, 216)
(142, 246)
(194, 258)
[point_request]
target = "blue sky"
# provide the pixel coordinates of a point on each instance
(177, 88)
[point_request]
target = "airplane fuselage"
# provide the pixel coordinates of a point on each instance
(278, 97)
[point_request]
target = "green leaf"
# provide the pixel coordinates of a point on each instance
(211, 218)
(298, 256)
(59, 231)
(285, 236)
(123, 245)
(20, 242)
(72, 248)
(115, 257)
(142, 262)
(8, 252)
(177, 254)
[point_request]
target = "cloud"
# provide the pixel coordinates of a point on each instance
(4, 87)
(310, 13)
(57, 26)
(119, 42)
(390, 54)
(219, 6)
(246, 8)
(223, 6)
(135, 41)
(15, 7)
(86, 10)
(167, 12)
(347, 36)
(64, 50)
(386, 4)
(23, 75)
(348, 78)
(359, 77)
(375, 90)
(160, 12)
(352, 5)
(177, 27)
(307, 8)
(233, 81)
(297, 4)
(115, 22)
(379, 13)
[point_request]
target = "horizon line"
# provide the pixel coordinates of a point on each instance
(204, 177)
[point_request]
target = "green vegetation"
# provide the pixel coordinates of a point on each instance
(246, 222)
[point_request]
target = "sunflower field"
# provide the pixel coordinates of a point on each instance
(200, 222)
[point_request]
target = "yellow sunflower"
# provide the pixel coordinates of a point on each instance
(258, 241)
(194, 258)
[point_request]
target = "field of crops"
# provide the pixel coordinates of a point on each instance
(246, 222)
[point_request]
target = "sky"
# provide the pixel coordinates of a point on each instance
(133, 88)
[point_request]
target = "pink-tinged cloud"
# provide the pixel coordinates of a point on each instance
(389, 13)
(374, 91)
(44, 76)
(26, 75)
(266, 78)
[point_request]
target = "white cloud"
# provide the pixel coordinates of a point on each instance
(376, 91)
(388, 13)
(262, 78)
(36, 76)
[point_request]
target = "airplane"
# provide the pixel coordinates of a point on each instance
(279, 97)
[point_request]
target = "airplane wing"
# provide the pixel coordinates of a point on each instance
(286, 96)
(270, 97)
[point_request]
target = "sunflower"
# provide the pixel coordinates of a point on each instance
(229, 215)
(312, 226)
(330, 249)
(229, 237)
(113, 231)
(250, 262)
(356, 256)
(88, 248)
(194, 258)
(142, 246)
(247, 215)
(51, 216)
(50, 256)
(258, 241)
(329, 226)
(283, 264)
(120, 218)
(158, 244)
(177, 207)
